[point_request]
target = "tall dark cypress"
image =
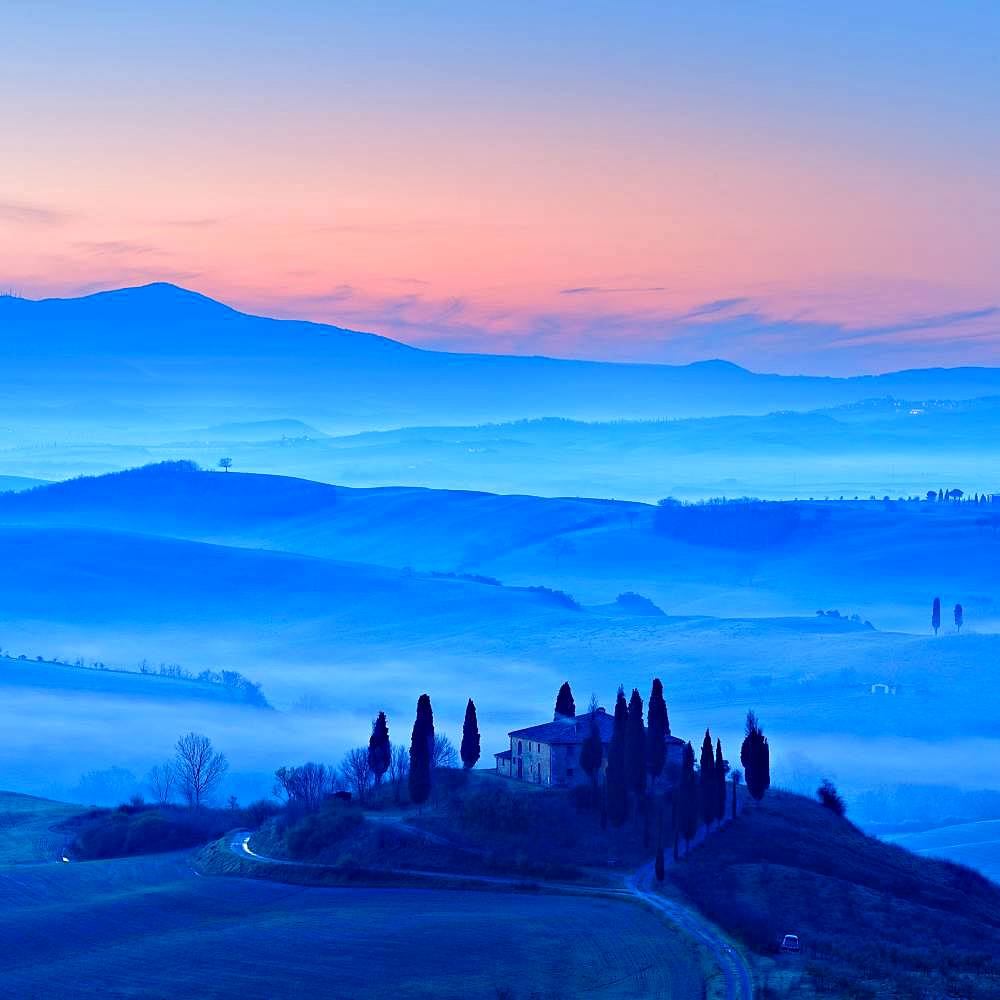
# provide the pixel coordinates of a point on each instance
(564, 701)
(720, 783)
(755, 756)
(959, 617)
(617, 782)
(379, 749)
(688, 797)
(936, 615)
(635, 748)
(660, 866)
(470, 737)
(421, 749)
(592, 751)
(657, 730)
(708, 796)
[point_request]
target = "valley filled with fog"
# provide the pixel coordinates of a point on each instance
(398, 521)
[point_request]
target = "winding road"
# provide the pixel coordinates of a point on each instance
(638, 887)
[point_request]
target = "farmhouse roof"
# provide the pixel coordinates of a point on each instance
(573, 729)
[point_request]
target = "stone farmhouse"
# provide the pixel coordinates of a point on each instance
(549, 754)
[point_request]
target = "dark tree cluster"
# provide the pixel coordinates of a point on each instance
(734, 524)
(429, 751)
(592, 751)
(637, 756)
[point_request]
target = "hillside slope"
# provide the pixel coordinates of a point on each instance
(874, 919)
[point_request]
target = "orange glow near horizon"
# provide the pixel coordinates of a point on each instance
(652, 215)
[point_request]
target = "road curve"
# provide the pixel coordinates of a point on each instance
(735, 971)
(739, 980)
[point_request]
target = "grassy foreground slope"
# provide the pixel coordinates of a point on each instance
(874, 919)
(28, 831)
(150, 927)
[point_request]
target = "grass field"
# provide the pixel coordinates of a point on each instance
(875, 920)
(26, 828)
(150, 927)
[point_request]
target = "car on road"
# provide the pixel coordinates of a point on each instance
(790, 942)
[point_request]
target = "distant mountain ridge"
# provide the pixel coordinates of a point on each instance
(157, 351)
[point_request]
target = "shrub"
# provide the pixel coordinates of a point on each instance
(131, 830)
(318, 831)
(259, 812)
(557, 597)
(502, 812)
(827, 794)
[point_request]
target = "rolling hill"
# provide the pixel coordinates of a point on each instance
(882, 561)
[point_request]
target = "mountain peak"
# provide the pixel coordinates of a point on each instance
(719, 365)
(156, 294)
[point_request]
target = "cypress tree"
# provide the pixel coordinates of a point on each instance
(755, 756)
(635, 748)
(564, 701)
(688, 797)
(959, 617)
(675, 817)
(379, 749)
(720, 783)
(470, 737)
(421, 748)
(617, 786)
(660, 866)
(736, 781)
(657, 730)
(936, 615)
(708, 796)
(592, 750)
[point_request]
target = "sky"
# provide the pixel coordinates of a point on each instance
(793, 187)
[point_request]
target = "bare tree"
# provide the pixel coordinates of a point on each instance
(225, 464)
(304, 786)
(443, 754)
(162, 781)
(357, 771)
(198, 768)
(399, 768)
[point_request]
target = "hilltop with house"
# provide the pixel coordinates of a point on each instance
(550, 753)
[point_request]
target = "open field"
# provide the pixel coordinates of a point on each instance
(26, 828)
(150, 927)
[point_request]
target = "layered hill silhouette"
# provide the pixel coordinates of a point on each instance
(125, 356)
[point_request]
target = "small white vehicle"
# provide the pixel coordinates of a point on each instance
(790, 942)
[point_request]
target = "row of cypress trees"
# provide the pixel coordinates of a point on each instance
(422, 742)
(636, 757)
(637, 752)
